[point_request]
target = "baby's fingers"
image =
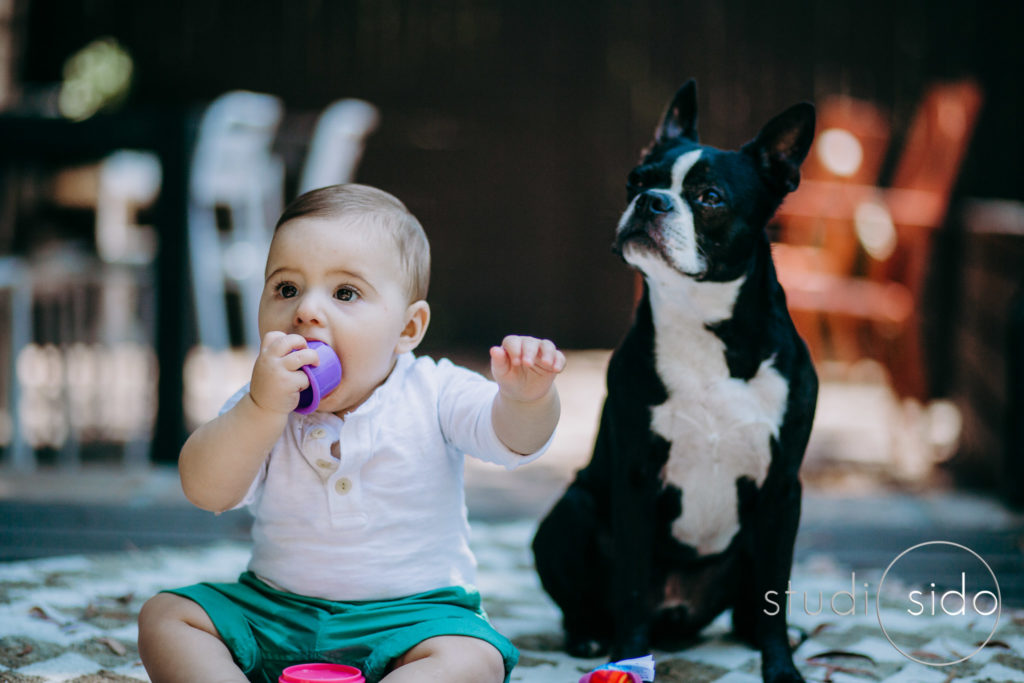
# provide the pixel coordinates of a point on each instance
(513, 348)
(551, 358)
(500, 361)
(297, 359)
(522, 350)
(279, 344)
(530, 351)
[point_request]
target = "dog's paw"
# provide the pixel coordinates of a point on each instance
(784, 675)
(585, 647)
(634, 647)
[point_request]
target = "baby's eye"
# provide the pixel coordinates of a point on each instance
(346, 294)
(286, 290)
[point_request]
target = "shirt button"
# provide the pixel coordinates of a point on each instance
(343, 485)
(318, 433)
(325, 464)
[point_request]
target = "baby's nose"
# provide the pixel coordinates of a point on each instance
(309, 312)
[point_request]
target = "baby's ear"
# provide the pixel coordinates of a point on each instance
(417, 318)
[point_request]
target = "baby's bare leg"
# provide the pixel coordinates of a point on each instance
(451, 659)
(178, 642)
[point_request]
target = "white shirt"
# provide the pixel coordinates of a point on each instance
(388, 518)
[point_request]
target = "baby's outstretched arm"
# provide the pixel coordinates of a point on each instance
(220, 460)
(526, 409)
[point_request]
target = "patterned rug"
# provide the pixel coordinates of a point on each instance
(73, 619)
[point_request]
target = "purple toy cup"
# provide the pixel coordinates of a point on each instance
(321, 673)
(323, 378)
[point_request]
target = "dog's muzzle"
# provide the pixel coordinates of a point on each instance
(639, 223)
(652, 203)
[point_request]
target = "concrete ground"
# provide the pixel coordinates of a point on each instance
(872, 491)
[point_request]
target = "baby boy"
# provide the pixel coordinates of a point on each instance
(360, 539)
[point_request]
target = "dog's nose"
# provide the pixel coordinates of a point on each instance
(654, 203)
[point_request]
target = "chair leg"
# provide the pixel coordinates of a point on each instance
(905, 360)
(843, 331)
(72, 332)
(808, 326)
(20, 456)
(207, 278)
(251, 290)
(257, 214)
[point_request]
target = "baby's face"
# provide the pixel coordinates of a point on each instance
(336, 282)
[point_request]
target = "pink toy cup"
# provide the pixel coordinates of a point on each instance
(323, 378)
(321, 673)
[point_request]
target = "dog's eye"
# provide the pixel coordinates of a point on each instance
(635, 181)
(711, 198)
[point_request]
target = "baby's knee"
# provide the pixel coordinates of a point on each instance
(488, 662)
(462, 657)
(155, 610)
(167, 608)
(481, 660)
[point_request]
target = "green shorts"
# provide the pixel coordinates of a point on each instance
(268, 630)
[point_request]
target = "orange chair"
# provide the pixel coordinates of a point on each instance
(816, 247)
(866, 298)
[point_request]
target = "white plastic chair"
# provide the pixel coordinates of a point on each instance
(233, 171)
(74, 300)
(337, 143)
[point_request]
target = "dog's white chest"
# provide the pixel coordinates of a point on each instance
(719, 427)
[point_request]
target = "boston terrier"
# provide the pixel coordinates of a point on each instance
(690, 503)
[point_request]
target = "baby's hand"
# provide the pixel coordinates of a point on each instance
(276, 377)
(525, 368)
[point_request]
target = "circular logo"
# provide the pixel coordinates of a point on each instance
(959, 592)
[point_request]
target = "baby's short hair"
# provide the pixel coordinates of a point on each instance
(384, 211)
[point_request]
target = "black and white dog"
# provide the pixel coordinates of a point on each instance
(691, 501)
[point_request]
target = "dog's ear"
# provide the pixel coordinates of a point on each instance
(781, 146)
(680, 120)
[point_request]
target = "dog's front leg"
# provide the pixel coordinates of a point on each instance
(634, 493)
(775, 526)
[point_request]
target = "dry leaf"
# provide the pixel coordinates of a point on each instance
(39, 613)
(995, 643)
(839, 653)
(115, 646)
(820, 627)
